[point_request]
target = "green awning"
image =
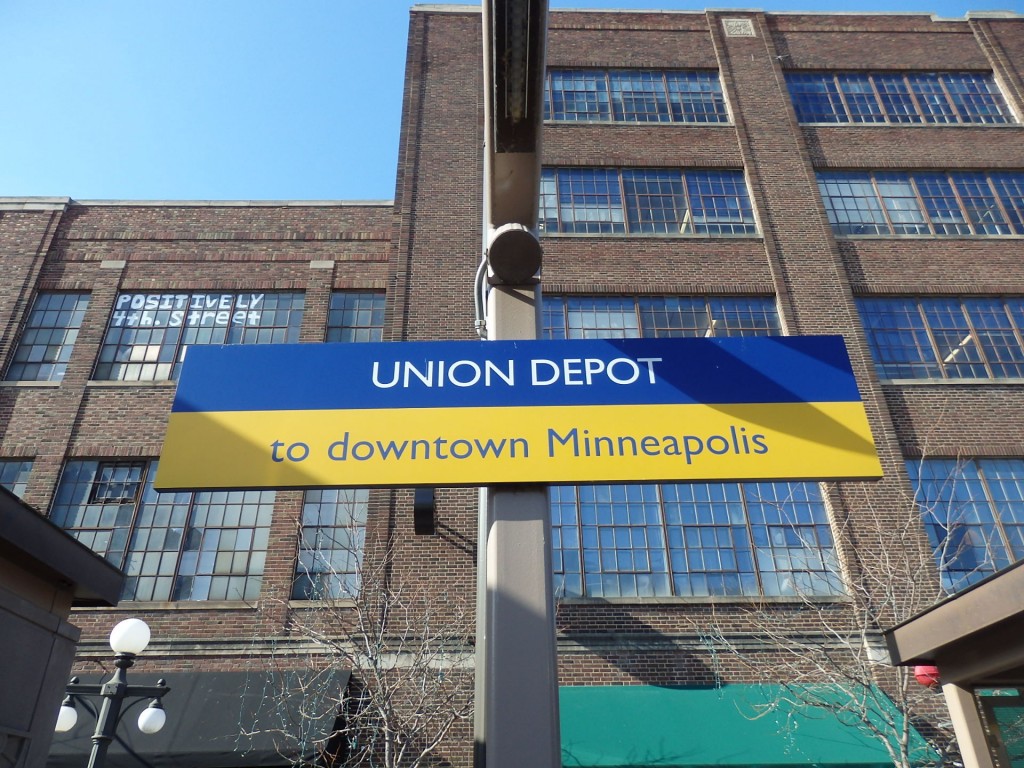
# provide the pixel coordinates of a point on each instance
(748, 725)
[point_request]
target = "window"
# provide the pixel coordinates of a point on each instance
(355, 317)
(973, 511)
(634, 96)
(205, 545)
(945, 338)
(333, 519)
(331, 548)
(684, 539)
(604, 317)
(923, 203)
(894, 98)
(49, 336)
(692, 540)
(14, 475)
(149, 333)
(651, 201)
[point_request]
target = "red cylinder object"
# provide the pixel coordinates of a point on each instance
(927, 675)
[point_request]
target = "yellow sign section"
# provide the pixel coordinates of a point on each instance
(555, 444)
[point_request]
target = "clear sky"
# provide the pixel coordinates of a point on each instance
(233, 99)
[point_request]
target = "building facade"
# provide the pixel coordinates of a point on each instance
(706, 174)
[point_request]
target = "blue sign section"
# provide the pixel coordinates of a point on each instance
(772, 369)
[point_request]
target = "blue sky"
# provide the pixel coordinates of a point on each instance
(232, 99)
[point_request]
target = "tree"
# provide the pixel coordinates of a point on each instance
(820, 654)
(407, 645)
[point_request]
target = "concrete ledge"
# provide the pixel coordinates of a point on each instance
(235, 203)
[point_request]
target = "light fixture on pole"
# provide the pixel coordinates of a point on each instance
(128, 639)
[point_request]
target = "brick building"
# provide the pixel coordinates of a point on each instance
(706, 174)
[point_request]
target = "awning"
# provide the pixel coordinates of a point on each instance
(207, 714)
(606, 727)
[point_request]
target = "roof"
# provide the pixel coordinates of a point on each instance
(32, 542)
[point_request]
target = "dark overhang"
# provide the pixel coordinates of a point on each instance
(971, 636)
(30, 541)
(218, 720)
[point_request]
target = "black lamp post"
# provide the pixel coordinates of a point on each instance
(128, 639)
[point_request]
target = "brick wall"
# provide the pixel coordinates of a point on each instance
(424, 250)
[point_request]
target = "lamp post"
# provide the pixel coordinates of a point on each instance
(128, 639)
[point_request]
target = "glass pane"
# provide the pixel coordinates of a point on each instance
(639, 97)
(355, 317)
(655, 202)
(861, 99)
(14, 475)
(720, 203)
(331, 545)
(898, 338)
(816, 98)
(50, 333)
(960, 517)
(696, 97)
(147, 335)
(852, 204)
(577, 95)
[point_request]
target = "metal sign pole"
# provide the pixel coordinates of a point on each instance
(516, 672)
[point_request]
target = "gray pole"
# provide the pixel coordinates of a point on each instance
(516, 671)
(516, 720)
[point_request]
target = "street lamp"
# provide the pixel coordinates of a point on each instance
(128, 639)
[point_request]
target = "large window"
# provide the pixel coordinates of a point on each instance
(974, 514)
(207, 545)
(49, 336)
(645, 201)
(692, 539)
(355, 316)
(14, 475)
(945, 338)
(634, 96)
(148, 334)
(920, 97)
(333, 519)
(923, 203)
(623, 317)
(331, 548)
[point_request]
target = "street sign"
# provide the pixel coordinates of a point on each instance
(474, 413)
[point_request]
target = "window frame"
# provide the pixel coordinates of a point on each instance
(616, 316)
(610, 109)
(1000, 547)
(746, 569)
(714, 308)
(621, 198)
(57, 366)
(162, 361)
(959, 183)
(985, 353)
(14, 473)
(962, 107)
(70, 506)
(335, 332)
(305, 580)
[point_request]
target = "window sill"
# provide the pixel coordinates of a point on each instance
(718, 599)
(642, 124)
(345, 602)
(101, 383)
(31, 384)
(939, 238)
(138, 606)
(653, 236)
(912, 125)
(952, 382)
